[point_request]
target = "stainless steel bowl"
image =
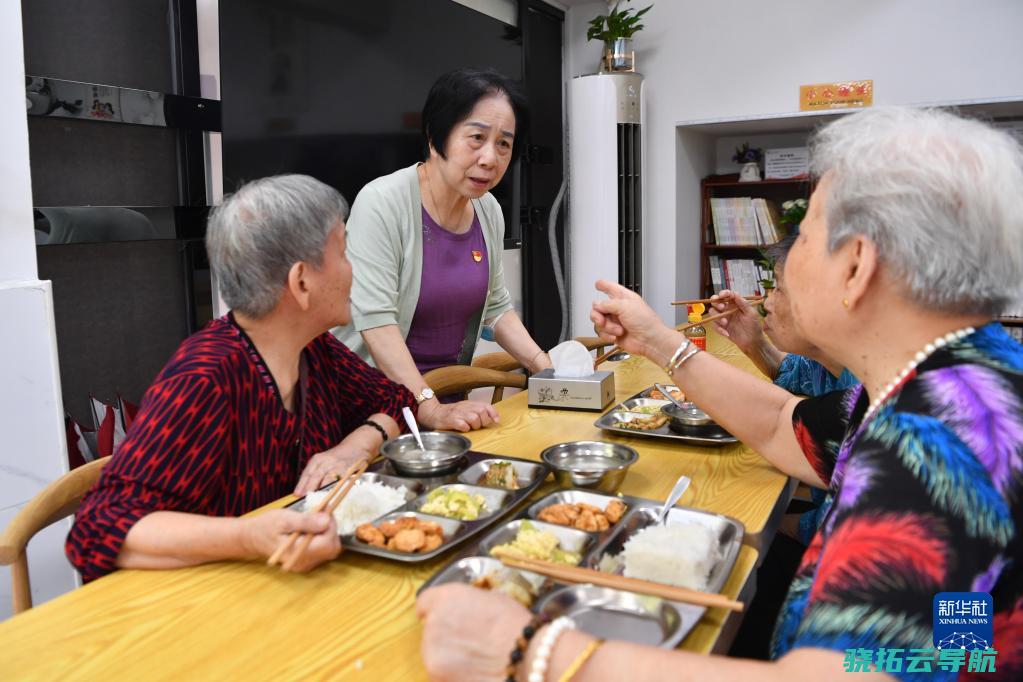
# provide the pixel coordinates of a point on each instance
(590, 464)
(443, 452)
(686, 420)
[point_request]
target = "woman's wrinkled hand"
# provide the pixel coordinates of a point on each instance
(326, 466)
(465, 415)
(745, 328)
(627, 320)
(468, 633)
(264, 533)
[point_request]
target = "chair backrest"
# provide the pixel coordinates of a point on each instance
(57, 500)
(464, 378)
(501, 361)
(593, 342)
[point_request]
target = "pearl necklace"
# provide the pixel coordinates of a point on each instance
(928, 350)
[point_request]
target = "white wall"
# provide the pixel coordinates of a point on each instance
(31, 412)
(737, 58)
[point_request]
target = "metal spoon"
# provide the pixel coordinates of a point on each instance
(664, 389)
(676, 493)
(413, 427)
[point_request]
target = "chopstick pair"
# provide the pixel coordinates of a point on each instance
(574, 574)
(707, 301)
(681, 328)
(328, 504)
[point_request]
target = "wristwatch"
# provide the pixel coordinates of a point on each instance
(425, 395)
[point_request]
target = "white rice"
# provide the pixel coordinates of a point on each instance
(675, 554)
(364, 502)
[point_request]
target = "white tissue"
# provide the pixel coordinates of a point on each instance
(571, 359)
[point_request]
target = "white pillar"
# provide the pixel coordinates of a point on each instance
(31, 409)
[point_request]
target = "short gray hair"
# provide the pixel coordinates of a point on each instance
(256, 235)
(940, 195)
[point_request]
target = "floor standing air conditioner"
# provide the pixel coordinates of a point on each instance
(606, 198)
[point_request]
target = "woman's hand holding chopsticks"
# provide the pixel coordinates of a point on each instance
(744, 329)
(291, 552)
(266, 533)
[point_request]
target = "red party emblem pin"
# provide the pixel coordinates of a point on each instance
(477, 256)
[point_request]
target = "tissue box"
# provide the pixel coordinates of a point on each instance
(594, 392)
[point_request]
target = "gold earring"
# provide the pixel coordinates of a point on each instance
(845, 302)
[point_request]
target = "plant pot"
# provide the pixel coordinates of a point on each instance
(618, 56)
(750, 172)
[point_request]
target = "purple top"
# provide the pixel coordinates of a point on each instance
(456, 274)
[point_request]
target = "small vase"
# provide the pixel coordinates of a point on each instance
(618, 55)
(750, 172)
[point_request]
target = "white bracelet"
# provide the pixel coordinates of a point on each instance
(538, 670)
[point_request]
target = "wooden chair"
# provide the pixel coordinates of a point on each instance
(501, 361)
(57, 500)
(592, 342)
(505, 362)
(464, 378)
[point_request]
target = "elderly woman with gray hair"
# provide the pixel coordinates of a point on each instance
(260, 403)
(913, 240)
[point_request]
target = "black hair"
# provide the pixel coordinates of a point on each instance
(779, 251)
(453, 97)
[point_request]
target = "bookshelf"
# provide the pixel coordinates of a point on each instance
(728, 186)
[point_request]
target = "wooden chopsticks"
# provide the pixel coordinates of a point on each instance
(707, 301)
(328, 504)
(681, 328)
(574, 574)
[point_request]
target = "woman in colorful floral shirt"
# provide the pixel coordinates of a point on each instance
(912, 242)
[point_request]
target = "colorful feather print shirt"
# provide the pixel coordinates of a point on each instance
(212, 436)
(925, 497)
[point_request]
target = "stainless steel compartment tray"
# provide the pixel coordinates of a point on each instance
(384, 472)
(709, 435)
(625, 616)
(600, 611)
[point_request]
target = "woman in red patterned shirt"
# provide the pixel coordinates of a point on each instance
(261, 403)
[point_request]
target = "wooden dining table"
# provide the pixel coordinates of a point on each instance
(354, 618)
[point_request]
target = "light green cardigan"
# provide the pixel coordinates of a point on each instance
(385, 246)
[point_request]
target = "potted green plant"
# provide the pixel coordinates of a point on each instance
(615, 30)
(749, 158)
(792, 213)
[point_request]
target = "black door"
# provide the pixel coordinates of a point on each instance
(543, 168)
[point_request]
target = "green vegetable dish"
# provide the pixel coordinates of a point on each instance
(454, 504)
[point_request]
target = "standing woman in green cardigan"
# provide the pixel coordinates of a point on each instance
(425, 244)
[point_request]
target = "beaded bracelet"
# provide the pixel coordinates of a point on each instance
(538, 671)
(383, 433)
(522, 643)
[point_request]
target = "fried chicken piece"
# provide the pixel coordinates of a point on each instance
(433, 542)
(431, 528)
(587, 521)
(602, 522)
(389, 529)
(409, 540)
(615, 510)
(370, 534)
(407, 522)
(561, 514)
(583, 508)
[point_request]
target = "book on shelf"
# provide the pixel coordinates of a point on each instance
(715, 273)
(743, 220)
(741, 275)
